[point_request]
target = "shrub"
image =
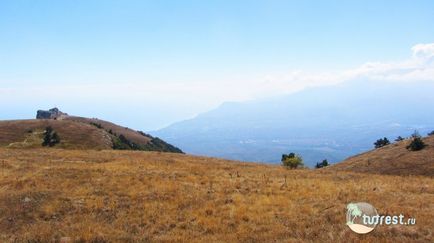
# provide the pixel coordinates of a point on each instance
(431, 133)
(322, 164)
(50, 137)
(285, 156)
(122, 143)
(292, 160)
(155, 144)
(381, 142)
(416, 144)
(416, 134)
(96, 125)
(144, 134)
(399, 138)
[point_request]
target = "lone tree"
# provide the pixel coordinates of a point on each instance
(292, 160)
(381, 142)
(50, 137)
(322, 164)
(416, 143)
(416, 134)
(399, 138)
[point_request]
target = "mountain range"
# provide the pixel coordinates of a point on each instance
(330, 122)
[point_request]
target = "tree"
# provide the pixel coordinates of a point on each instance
(399, 138)
(416, 144)
(50, 137)
(322, 164)
(381, 142)
(285, 156)
(292, 160)
(431, 133)
(416, 134)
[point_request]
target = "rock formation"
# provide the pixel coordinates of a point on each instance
(50, 114)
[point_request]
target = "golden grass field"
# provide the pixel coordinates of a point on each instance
(54, 195)
(393, 159)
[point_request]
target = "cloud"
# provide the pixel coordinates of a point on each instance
(418, 67)
(423, 51)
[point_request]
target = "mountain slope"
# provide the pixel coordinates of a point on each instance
(332, 122)
(55, 195)
(393, 159)
(79, 133)
(74, 135)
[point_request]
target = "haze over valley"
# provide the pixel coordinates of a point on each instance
(332, 122)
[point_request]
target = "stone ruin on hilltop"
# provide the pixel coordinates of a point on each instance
(54, 113)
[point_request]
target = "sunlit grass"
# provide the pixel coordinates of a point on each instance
(47, 194)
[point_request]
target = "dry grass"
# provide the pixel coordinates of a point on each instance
(73, 135)
(393, 159)
(131, 134)
(125, 196)
(74, 132)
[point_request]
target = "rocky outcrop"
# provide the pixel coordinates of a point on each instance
(50, 114)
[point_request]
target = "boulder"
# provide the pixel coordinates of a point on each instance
(54, 113)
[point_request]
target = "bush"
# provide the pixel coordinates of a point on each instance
(399, 138)
(431, 133)
(381, 142)
(416, 144)
(50, 137)
(322, 164)
(122, 143)
(416, 134)
(155, 144)
(292, 160)
(97, 125)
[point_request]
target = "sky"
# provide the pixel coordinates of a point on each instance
(147, 64)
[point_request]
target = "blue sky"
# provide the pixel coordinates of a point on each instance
(146, 64)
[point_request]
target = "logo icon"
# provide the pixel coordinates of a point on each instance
(356, 212)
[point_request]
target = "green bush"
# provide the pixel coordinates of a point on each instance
(122, 143)
(322, 164)
(416, 134)
(155, 144)
(381, 142)
(416, 144)
(96, 125)
(292, 160)
(50, 137)
(399, 138)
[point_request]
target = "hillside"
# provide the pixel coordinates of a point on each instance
(74, 135)
(78, 133)
(393, 159)
(52, 195)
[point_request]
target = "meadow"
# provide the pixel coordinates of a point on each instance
(57, 195)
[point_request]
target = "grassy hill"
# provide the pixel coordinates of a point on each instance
(49, 195)
(79, 133)
(393, 159)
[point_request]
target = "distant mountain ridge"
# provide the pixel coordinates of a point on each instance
(78, 133)
(332, 122)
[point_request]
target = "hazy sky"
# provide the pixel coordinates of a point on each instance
(146, 64)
